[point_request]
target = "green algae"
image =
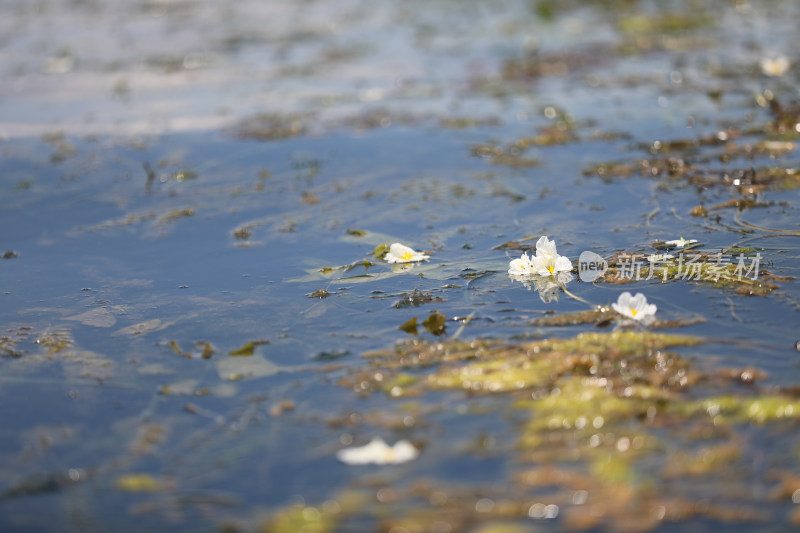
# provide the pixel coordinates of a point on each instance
(605, 408)
(729, 409)
(664, 22)
(319, 293)
(56, 340)
(381, 250)
(497, 375)
(248, 348)
(175, 214)
(301, 519)
(409, 326)
(415, 298)
(738, 270)
(435, 323)
(624, 357)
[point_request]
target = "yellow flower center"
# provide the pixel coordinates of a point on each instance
(551, 268)
(408, 256)
(633, 312)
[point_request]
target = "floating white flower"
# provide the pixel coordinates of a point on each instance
(680, 243)
(775, 66)
(659, 258)
(546, 270)
(547, 262)
(379, 453)
(399, 253)
(522, 267)
(635, 307)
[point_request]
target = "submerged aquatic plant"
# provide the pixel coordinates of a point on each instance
(400, 253)
(379, 453)
(635, 307)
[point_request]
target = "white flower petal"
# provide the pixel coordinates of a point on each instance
(546, 245)
(379, 453)
(404, 452)
(680, 243)
(521, 266)
(775, 66)
(563, 264)
(635, 307)
(400, 253)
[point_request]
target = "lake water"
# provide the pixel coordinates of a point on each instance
(194, 320)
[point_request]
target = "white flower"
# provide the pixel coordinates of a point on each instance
(680, 243)
(522, 267)
(547, 270)
(399, 253)
(659, 258)
(635, 307)
(547, 261)
(379, 453)
(775, 66)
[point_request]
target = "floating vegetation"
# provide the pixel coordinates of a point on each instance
(55, 341)
(247, 348)
(503, 157)
(415, 298)
(562, 63)
(435, 323)
(271, 127)
(38, 484)
(598, 316)
(305, 518)
(175, 214)
(409, 326)
(602, 409)
(9, 342)
(741, 273)
(319, 293)
(141, 482)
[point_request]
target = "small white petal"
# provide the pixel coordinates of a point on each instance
(379, 453)
(521, 266)
(680, 243)
(635, 307)
(400, 253)
(546, 245)
(563, 264)
(775, 66)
